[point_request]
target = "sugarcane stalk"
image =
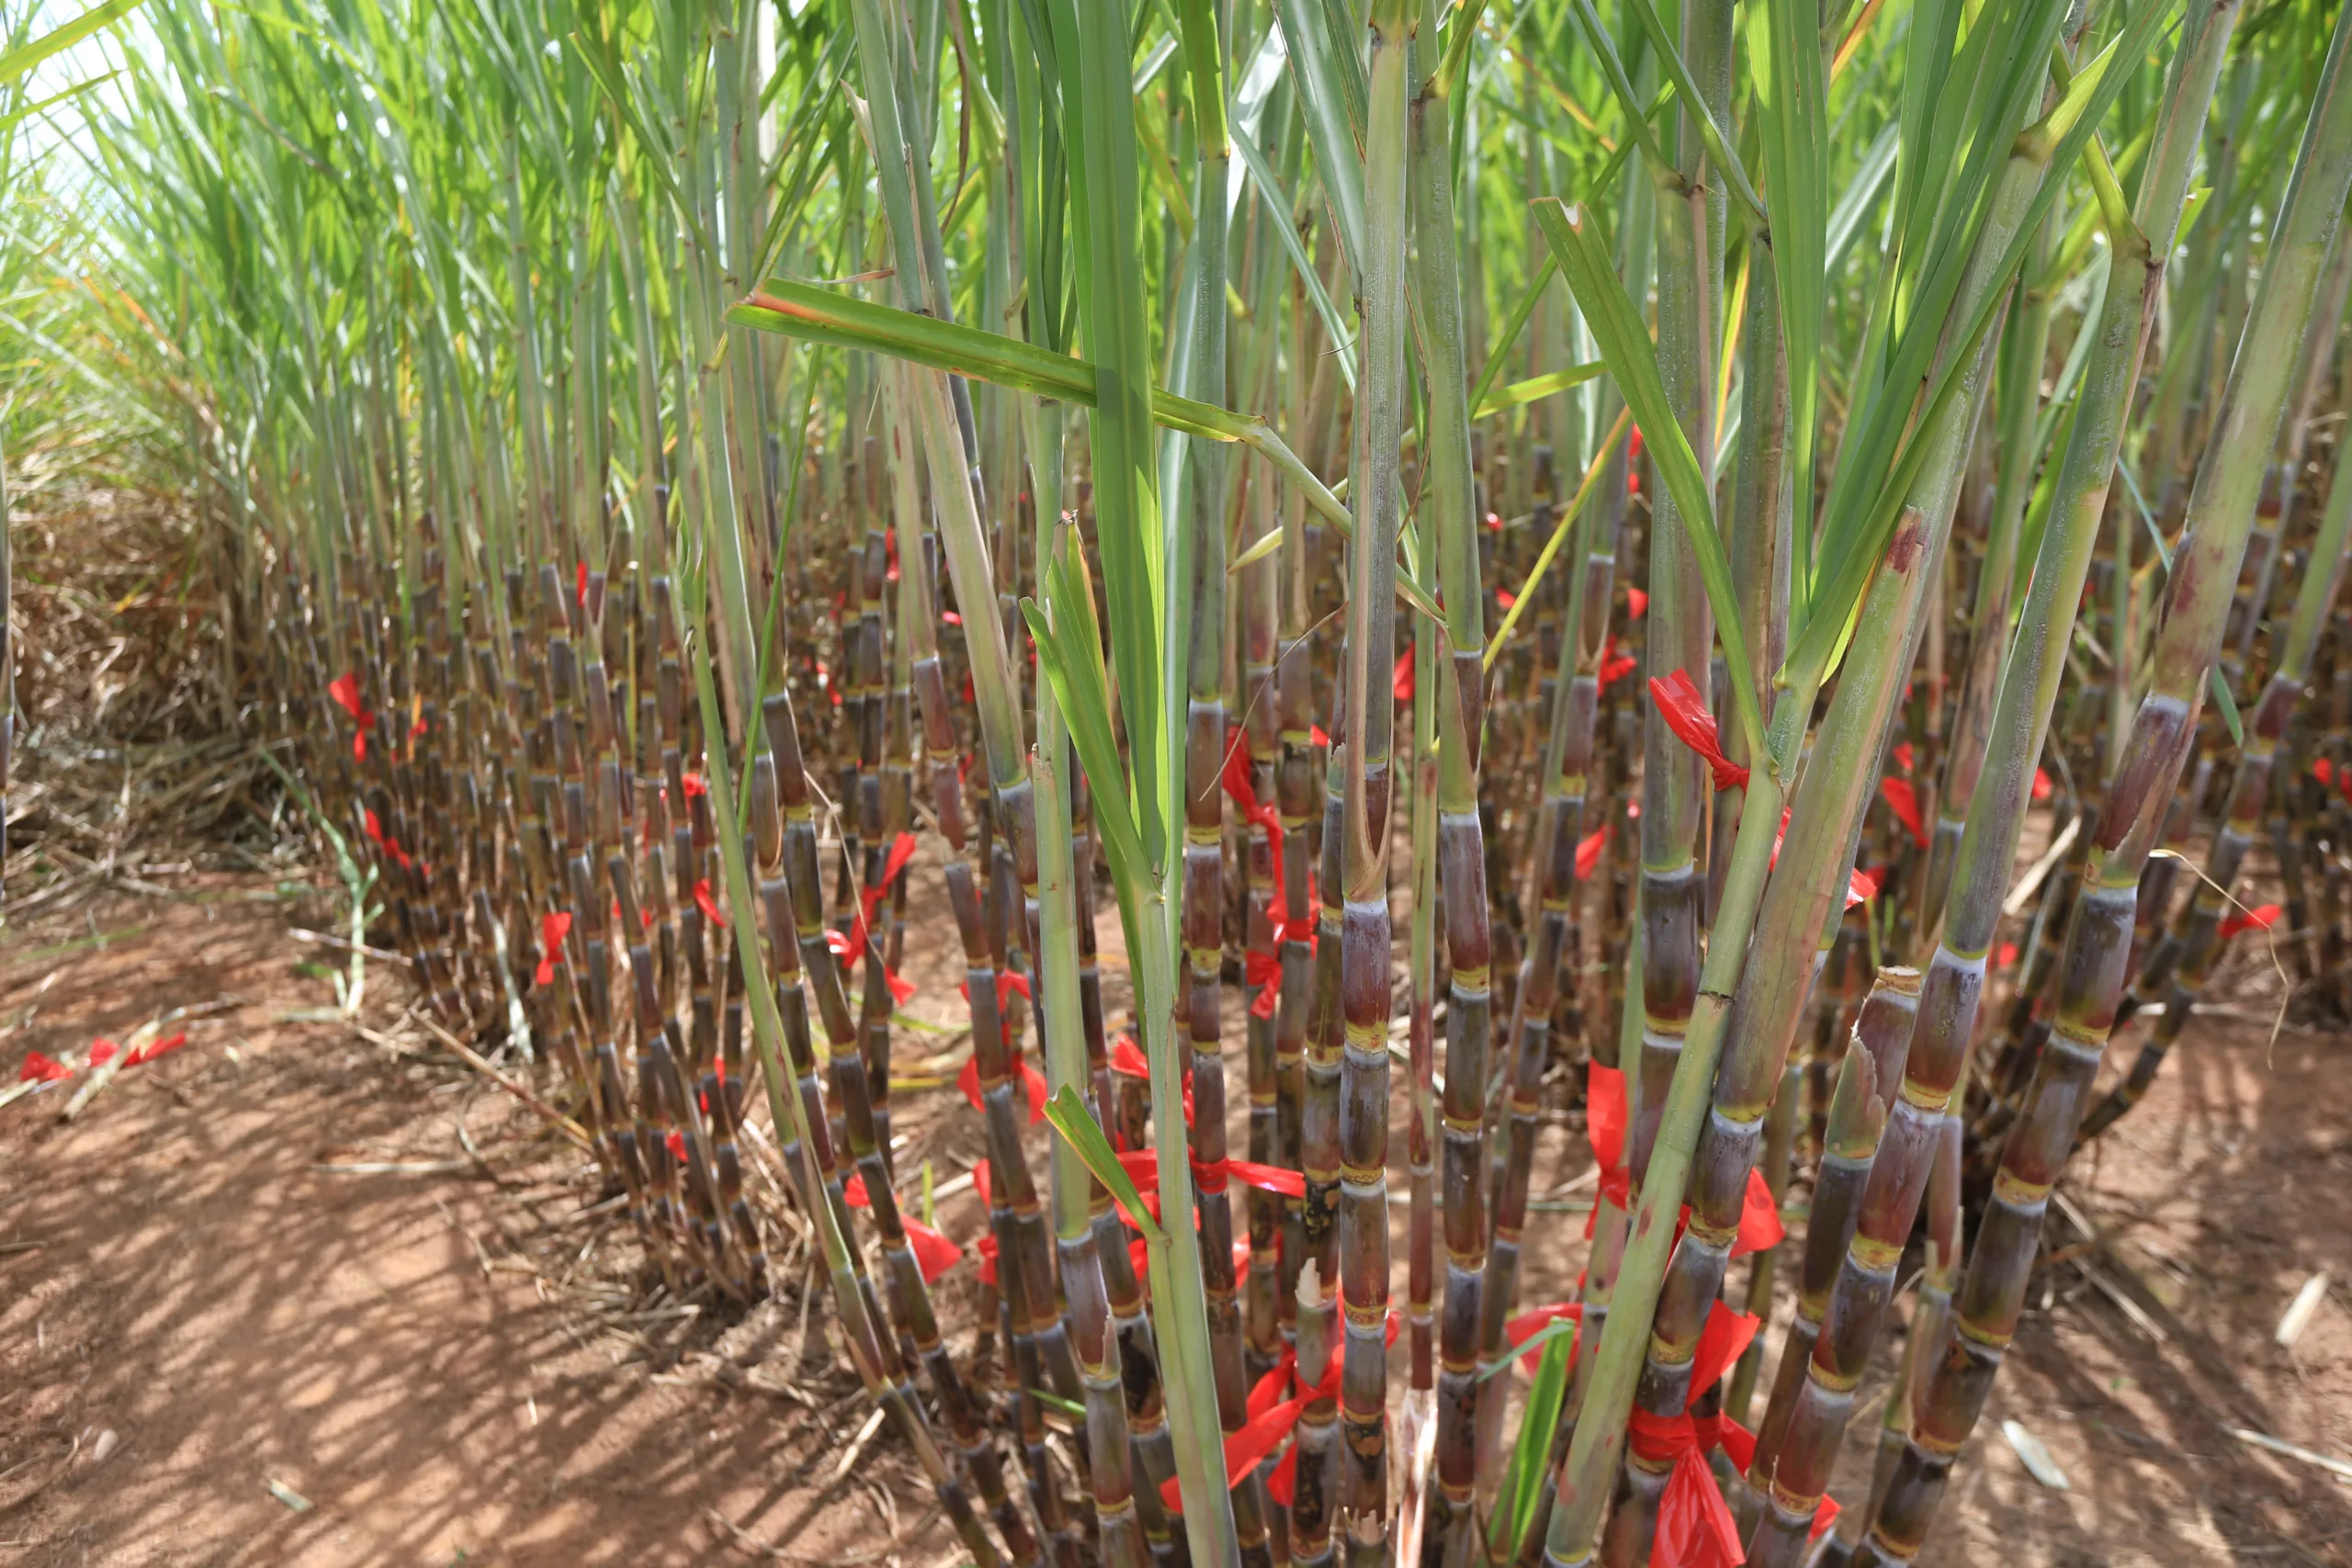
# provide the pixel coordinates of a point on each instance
(1454, 854)
(2204, 571)
(2024, 343)
(2197, 935)
(1363, 1121)
(1846, 1241)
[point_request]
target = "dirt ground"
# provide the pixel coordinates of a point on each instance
(220, 1344)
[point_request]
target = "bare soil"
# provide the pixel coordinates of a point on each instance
(215, 1349)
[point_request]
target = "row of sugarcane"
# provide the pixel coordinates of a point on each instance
(640, 653)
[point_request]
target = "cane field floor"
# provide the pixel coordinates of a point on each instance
(313, 1291)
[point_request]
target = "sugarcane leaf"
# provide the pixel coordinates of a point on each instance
(1792, 110)
(1461, 28)
(1413, 593)
(1507, 341)
(1084, 1135)
(1338, 159)
(1084, 697)
(1860, 193)
(1267, 544)
(1568, 515)
(1814, 652)
(1205, 60)
(1624, 342)
(1694, 104)
(1056, 1401)
(21, 60)
(1541, 1340)
(2215, 684)
(1530, 1470)
(1286, 229)
(1343, 38)
(1536, 386)
(821, 315)
(1604, 49)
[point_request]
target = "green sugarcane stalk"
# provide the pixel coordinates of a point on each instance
(2318, 374)
(2017, 397)
(1817, 1407)
(2204, 572)
(1822, 830)
(1417, 1423)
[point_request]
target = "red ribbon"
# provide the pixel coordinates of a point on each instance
(935, 1254)
(1589, 851)
(1904, 801)
(710, 911)
(1143, 1166)
(1616, 668)
(1505, 598)
(901, 990)
(143, 1054)
(390, 846)
(1695, 1527)
(1903, 755)
(553, 928)
(694, 785)
(1637, 603)
(1685, 712)
(1128, 1059)
(1861, 886)
(968, 1080)
(39, 1068)
(1604, 1128)
(2042, 783)
(1264, 971)
(345, 690)
(1235, 777)
(1400, 680)
(1605, 1121)
(902, 849)
(2260, 919)
(1270, 1419)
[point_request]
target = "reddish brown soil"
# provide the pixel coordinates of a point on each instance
(459, 1366)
